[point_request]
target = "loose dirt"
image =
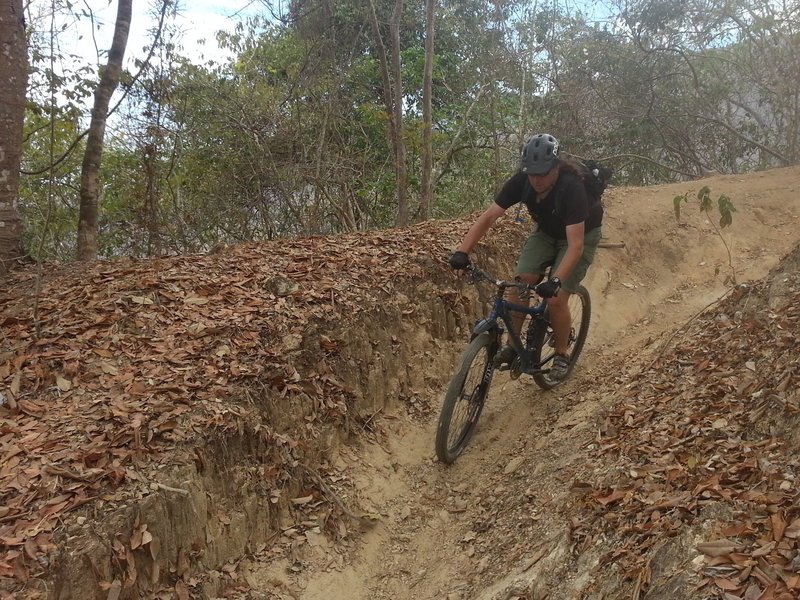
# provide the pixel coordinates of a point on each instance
(439, 533)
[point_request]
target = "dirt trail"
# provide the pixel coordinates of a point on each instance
(438, 535)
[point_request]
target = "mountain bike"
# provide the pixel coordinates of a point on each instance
(469, 387)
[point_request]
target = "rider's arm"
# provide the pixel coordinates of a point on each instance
(481, 225)
(574, 251)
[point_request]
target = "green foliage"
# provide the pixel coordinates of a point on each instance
(726, 209)
(724, 205)
(50, 211)
(289, 137)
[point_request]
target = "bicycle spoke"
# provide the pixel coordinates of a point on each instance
(464, 400)
(463, 413)
(580, 312)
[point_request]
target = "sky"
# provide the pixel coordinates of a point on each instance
(79, 44)
(198, 19)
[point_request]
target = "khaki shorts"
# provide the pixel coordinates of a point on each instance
(541, 250)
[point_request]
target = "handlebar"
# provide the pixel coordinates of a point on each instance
(476, 275)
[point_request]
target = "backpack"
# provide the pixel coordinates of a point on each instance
(596, 178)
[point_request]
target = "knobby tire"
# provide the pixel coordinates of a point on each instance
(581, 311)
(465, 397)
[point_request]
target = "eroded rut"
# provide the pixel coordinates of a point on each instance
(439, 534)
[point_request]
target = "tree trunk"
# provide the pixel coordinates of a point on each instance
(393, 98)
(90, 170)
(14, 75)
(427, 115)
(401, 167)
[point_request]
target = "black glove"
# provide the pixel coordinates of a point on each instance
(459, 260)
(549, 288)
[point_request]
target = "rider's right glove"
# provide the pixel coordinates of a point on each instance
(549, 288)
(459, 261)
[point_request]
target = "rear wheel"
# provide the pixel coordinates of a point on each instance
(465, 397)
(580, 309)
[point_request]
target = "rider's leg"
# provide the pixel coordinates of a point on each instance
(561, 320)
(518, 318)
(539, 250)
(560, 317)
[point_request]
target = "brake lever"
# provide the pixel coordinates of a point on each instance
(473, 276)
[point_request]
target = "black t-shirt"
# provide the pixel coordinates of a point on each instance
(566, 204)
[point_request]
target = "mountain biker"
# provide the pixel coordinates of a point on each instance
(566, 234)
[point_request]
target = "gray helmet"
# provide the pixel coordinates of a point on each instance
(539, 155)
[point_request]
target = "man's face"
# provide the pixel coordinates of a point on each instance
(542, 183)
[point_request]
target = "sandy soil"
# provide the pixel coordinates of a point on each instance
(437, 537)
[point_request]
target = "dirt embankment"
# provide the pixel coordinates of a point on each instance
(162, 420)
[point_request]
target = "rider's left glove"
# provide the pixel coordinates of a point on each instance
(459, 261)
(549, 288)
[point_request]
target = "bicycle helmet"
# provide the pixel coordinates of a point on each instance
(539, 155)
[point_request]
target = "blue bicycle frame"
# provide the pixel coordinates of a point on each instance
(501, 310)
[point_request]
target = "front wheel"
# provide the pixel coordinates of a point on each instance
(580, 309)
(465, 397)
